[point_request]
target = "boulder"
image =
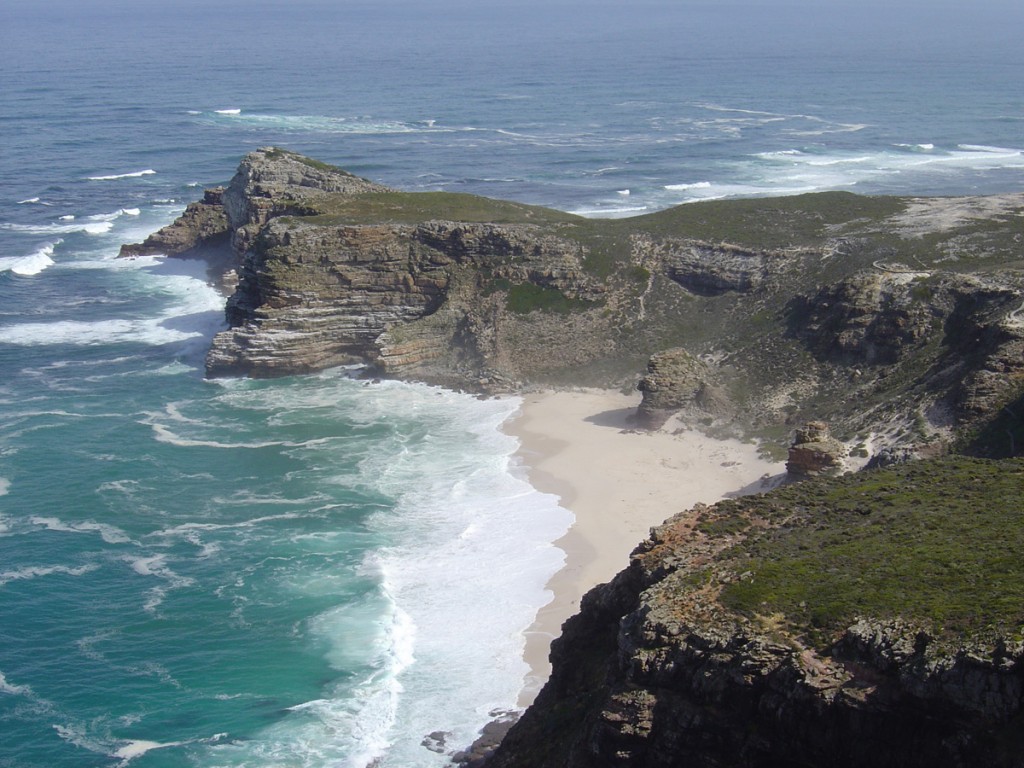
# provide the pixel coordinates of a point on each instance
(815, 452)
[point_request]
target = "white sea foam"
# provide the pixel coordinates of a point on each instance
(115, 176)
(412, 649)
(80, 333)
(818, 169)
(323, 123)
(156, 566)
(92, 228)
(197, 315)
(109, 533)
(355, 728)
(32, 264)
(163, 434)
(609, 211)
(686, 186)
(29, 201)
(138, 747)
(186, 529)
(78, 735)
(115, 214)
(12, 689)
(37, 571)
(463, 509)
(125, 750)
(5, 486)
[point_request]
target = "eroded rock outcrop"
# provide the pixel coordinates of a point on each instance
(815, 452)
(711, 269)
(677, 381)
(202, 231)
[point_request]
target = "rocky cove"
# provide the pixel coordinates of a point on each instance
(894, 320)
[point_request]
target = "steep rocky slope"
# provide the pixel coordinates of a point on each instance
(870, 620)
(898, 321)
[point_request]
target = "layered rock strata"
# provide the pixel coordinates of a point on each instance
(312, 296)
(879, 315)
(202, 231)
(815, 452)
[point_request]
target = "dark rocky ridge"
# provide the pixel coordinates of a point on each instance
(898, 321)
(664, 667)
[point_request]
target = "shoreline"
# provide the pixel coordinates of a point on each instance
(619, 482)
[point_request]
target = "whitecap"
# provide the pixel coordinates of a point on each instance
(132, 175)
(198, 315)
(129, 750)
(32, 264)
(111, 534)
(5, 486)
(29, 201)
(322, 123)
(115, 214)
(356, 727)
(80, 333)
(68, 217)
(610, 212)
(12, 689)
(96, 227)
(986, 148)
(228, 111)
(36, 571)
(623, 192)
(692, 185)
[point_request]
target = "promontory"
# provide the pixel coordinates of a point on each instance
(867, 618)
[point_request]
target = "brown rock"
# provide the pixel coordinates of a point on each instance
(815, 452)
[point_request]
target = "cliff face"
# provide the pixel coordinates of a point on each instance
(680, 662)
(858, 622)
(408, 299)
(895, 320)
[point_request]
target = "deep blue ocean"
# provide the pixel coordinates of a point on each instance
(322, 571)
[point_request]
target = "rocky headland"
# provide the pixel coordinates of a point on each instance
(861, 619)
(829, 623)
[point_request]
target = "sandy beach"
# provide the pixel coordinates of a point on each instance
(618, 483)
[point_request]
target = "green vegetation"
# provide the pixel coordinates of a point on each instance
(938, 542)
(417, 207)
(524, 298)
(771, 222)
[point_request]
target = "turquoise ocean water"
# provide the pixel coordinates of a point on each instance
(321, 571)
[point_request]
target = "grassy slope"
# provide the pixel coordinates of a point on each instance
(937, 542)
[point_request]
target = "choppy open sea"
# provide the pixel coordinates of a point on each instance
(319, 571)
